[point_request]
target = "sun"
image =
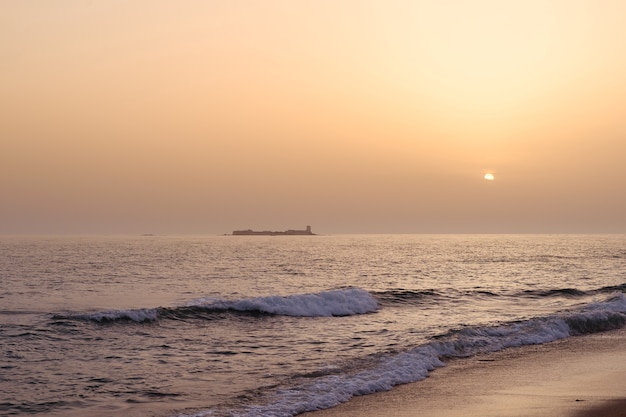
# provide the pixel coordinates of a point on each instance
(489, 176)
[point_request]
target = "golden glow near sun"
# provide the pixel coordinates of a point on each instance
(131, 117)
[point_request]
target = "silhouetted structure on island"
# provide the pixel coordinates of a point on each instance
(251, 232)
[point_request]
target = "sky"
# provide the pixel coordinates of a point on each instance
(201, 117)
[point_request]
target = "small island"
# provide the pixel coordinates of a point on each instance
(250, 232)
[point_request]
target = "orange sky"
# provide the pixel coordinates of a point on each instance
(368, 117)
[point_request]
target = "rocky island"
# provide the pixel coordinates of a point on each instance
(250, 232)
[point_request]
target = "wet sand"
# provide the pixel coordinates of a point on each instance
(583, 376)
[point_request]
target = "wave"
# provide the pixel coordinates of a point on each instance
(340, 302)
(593, 318)
(135, 315)
(403, 296)
(574, 292)
(558, 292)
(613, 288)
(394, 368)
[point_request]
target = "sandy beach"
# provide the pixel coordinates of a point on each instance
(578, 377)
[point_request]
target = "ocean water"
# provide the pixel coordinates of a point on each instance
(275, 326)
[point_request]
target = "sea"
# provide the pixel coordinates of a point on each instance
(182, 326)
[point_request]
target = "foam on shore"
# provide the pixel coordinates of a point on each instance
(575, 377)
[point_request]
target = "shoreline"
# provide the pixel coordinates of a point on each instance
(581, 376)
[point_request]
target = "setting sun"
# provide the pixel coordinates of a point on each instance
(163, 166)
(130, 117)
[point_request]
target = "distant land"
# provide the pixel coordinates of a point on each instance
(250, 232)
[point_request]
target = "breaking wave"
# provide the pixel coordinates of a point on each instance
(340, 302)
(394, 368)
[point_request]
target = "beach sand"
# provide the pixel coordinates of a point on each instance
(583, 376)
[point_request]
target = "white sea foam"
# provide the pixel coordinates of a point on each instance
(341, 302)
(332, 390)
(429, 288)
(414, 365)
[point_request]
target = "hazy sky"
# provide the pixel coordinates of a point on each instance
(206, 116)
